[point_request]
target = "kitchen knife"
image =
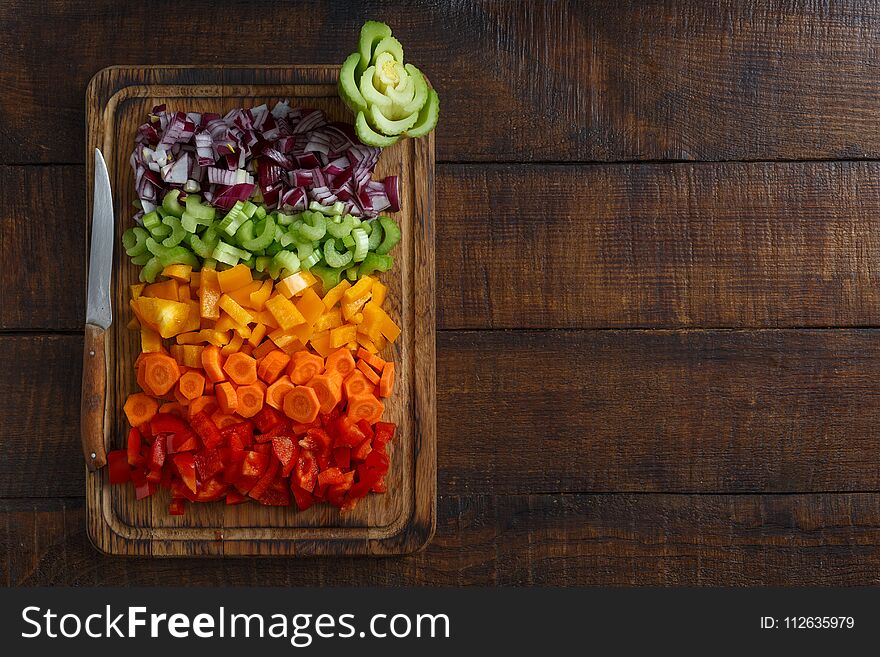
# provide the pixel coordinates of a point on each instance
(98, 320)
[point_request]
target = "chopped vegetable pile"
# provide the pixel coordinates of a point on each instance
(389, 99)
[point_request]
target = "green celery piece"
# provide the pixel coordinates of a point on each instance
(162, 231)
(287, 261)
(142, 259)
(273, 248)
(348, 242)
(245, 232)
(209, 263)
(352, 273)
(333, 257)
(340, 227)
(190, 223)
(228, 254)
(204, 245)
(314, 226)
(376, 235)
(375, 262)
(177, 232)
(260, 212)
(152, 220)
(250, 263)
(135, 241)
(151, 270)
(285, 219)
(177, 255)
(264, 239)
(366, 226)
(286, 239)
(329, 276)
(391, 232)
(233, 219)
(262, 263)
(204, 213)
(171, 204)
(311, 260)
(329, 210)
(304, 250)
(361, 244)
(249, 209)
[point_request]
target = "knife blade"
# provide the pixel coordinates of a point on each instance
(99, 317)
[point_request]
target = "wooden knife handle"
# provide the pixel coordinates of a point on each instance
(94, 389)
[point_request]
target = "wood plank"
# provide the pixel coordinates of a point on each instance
(41, 246)
(660, 411)
(609, 80)
(703, 245)
(689, 245)
(539, 540)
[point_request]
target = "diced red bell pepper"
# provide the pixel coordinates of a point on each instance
(168, 476)
(280, 429)
(240, 432)
(284, 449)
(211, 490)
(367, 478)
(144, 490)
(177, 506)
(186, 466)
(304, 499)
(263, 448)
(377, 460)
(167, 423)
(206, 429)
(364, 426)
(299, 428)
(268, 418)
(266, 480)
(158, 452)
(146, 431)
(384, 432)
(244, 484)
(342, 457)
(330, 477)
(254, 464)
(234, 497)
(346, 433)
(182, 441)
(320, 492)
(134, 448)
(278, 494)
(208, 463)
(336, 496)
(379, 486)
(362, 451)
(305, 474)
(117, 467)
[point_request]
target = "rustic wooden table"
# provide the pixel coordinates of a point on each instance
(658, 255)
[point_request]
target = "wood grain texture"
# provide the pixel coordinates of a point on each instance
(641, 245)
(604, 80)
(41, 214)
(400, 522)
(645, 245)
(652, 411)
(93, 406)
(535, 540)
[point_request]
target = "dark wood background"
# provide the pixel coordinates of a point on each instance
(658, 289)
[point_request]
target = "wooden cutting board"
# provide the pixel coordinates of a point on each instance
(397, 522)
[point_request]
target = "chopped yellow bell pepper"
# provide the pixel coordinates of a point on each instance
(379, 292)
(192, 355)
(242, 295)
(233, 346)
(151, 342)
(334, 295)
(234, 278)
(341, 336)
(239, 314)
(258, 298)
(310, 306)
(136, 290)
(184, 294)
(166, 317)
(195, 279)
(329, 320)
(194, 321)
(358, 290)
(180, 273)
(284, 311)
(257, 334)
(366, 343)
(295, 283)
(164, 290)
(320, 342)
(353, 307)
(133, 324)
(209, 294)
(267, 318)
(176, 351)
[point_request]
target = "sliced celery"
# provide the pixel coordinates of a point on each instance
(376, 235)
(285, 219)
(262, 263)
(287, 261)
(340, 227)
(329, 276)
(142, 259)
(361, 244)
(245, 232)
(152, 220)
(352, 273)
(333, 257)
(177, 232)
(314, 226)
(233, 219)
(151, 270)
(229, 254)
(329, 210)
(260, 212)
(161, 231)
(375, 262)
(249, 209)
(311, 260)
(204, 245)
(391, 235)
(205, 214)
(171, 204)
(135, 241)
(264, 239)
(176, 255)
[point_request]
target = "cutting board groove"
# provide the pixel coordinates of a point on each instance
(398, 522)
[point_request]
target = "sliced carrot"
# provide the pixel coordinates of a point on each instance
(272, 365)
(372, 359)
(207, 403)
(174, 408)
(178, 396)
(365, 407)
(356, 384)
(140, 408)
(209, 386)
(250, 400)
(329, 390)
(222, 419)
(368, 371)
(265, 347)
(303, 366)
(301, 404)
(160, 372)
(226, 397)
(191, 385)
(386, 383)
(212, 361)
(241, 368)
(340, 362)
(275, 393)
